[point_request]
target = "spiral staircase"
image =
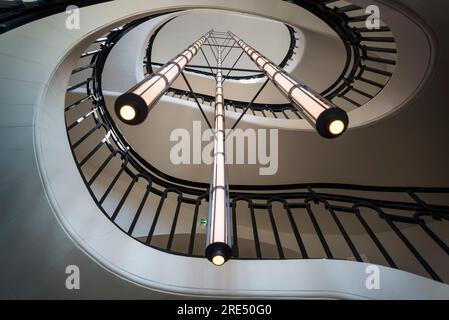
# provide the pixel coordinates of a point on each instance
(97, 199)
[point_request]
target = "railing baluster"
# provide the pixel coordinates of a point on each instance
(100, 169)
(173, 226)
(378, 39)
(423, 225)
(275, 232)
(434, 237)
(77, 103)
(296, 232)
(76, 86)
(345, 235)
(381, 29)
(348, 8)
(255, 233)
(369, 96)
(297, 113)
(319, 232)
(91, 153)
(78, 121)
(378, 71)
(358, 18)
(380, 60)
(119, 173)
(235, 245)
(90, 53)
(351, 101)
(375, 239)
(193, 231)
(88, 66)
(371, 82)
(139, 210)
(385, 50)
(84, 137)
(123, 199)
(413, 250)
(156, 218)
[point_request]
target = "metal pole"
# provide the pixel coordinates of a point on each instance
(218, 245)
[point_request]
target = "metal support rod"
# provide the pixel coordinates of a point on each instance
(227, 46)
(223, 68)
(196, 100)
(232, 47)
(207, 61)
(248, 106)
(211, 48)
(190, 68)
(235, 63)
(218, 38)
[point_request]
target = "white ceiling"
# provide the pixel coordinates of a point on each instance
(183, 30)
(318, 60)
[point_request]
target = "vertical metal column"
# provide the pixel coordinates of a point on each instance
(218, 246)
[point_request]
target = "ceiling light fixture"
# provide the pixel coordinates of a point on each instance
(133, 106)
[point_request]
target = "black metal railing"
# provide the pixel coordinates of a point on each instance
(364, 74)
(404, 228)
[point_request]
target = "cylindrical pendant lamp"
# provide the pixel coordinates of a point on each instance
(218, 246)
(133, 106)
(329, 120)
